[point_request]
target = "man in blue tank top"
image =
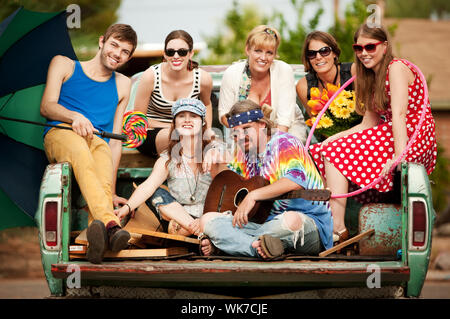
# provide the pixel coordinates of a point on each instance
(90, 96)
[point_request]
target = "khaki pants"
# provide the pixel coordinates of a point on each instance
(92, 166)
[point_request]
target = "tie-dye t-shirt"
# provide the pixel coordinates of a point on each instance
(285, 156)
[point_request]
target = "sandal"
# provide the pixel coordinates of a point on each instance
(272, 246)
(214, 250)
(340, 236)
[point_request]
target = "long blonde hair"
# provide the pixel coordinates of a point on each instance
(369, 86)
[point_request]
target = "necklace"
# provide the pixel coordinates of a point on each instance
(188, 157)
(189, 184)
(334, 81)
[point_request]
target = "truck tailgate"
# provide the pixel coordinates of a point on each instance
(169, 273)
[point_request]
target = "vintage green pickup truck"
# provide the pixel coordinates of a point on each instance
(392, 263)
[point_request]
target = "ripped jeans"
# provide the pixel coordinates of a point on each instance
(238, 241)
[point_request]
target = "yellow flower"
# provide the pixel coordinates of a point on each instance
(344, 113)
(341, 100)
(334, 109)
(351, 106)
(325, 122)
(348, 94)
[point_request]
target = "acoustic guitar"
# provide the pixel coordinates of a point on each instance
(228, 189)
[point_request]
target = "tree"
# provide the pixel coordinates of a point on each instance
(96, 16)
(229, 45)
(291, 45)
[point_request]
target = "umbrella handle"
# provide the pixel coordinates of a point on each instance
(121, 137)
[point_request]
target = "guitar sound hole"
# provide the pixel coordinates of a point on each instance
(240, 195)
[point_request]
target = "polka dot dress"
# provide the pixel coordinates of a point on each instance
(361, 156)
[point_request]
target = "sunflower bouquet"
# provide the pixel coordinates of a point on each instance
(339, 116)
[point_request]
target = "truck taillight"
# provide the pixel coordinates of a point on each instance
(51, 223)
(418, 224)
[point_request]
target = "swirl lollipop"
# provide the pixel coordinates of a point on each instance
(134, 125)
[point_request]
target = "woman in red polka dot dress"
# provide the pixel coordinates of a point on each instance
(391, 93)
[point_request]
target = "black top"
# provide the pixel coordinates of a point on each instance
(345, 73)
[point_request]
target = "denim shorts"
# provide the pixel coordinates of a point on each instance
(160, 197)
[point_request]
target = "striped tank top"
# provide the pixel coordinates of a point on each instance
(159, 108)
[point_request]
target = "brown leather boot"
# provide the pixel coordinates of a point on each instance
(118, 238)
(98, 242)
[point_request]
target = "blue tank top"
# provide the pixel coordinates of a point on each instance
(97, 101)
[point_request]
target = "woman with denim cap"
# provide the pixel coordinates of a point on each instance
(181, 166)
(266, 81)
(178, 76)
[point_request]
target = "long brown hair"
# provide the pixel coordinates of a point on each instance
(326, 38)
(174, 140)
(186, 37)
(369, 86)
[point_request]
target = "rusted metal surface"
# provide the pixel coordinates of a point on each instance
(235, 273)
(386, 220)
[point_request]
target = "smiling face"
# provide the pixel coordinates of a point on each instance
(260, 58)
(371, 60)
(188, 123)
(177, 62)
(321, 64)
(114, 53)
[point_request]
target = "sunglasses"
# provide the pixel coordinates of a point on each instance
(325, 51)
(370, 48)
(181, 52)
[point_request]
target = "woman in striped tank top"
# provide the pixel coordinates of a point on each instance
(163, 84)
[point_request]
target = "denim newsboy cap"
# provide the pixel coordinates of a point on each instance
(191, 105)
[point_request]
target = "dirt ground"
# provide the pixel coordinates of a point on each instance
(21, 274)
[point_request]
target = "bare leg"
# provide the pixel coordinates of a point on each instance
(176, 212)
(206, 244)
(338, 184)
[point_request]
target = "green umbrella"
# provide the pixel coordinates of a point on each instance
(28, 42)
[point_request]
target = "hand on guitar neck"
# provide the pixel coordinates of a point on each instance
(231, 192)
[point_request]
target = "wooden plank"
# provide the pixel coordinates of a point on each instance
(154, 252)
(82, 238)
(136, 253)
(144, 218)
(77, 249)
(164, 235)
(347, 242)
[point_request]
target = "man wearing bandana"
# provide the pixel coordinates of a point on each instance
(294, 225)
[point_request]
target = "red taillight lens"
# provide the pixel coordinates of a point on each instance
(51, 223)
(419, 223)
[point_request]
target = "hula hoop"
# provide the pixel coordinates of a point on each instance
(408, 146)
